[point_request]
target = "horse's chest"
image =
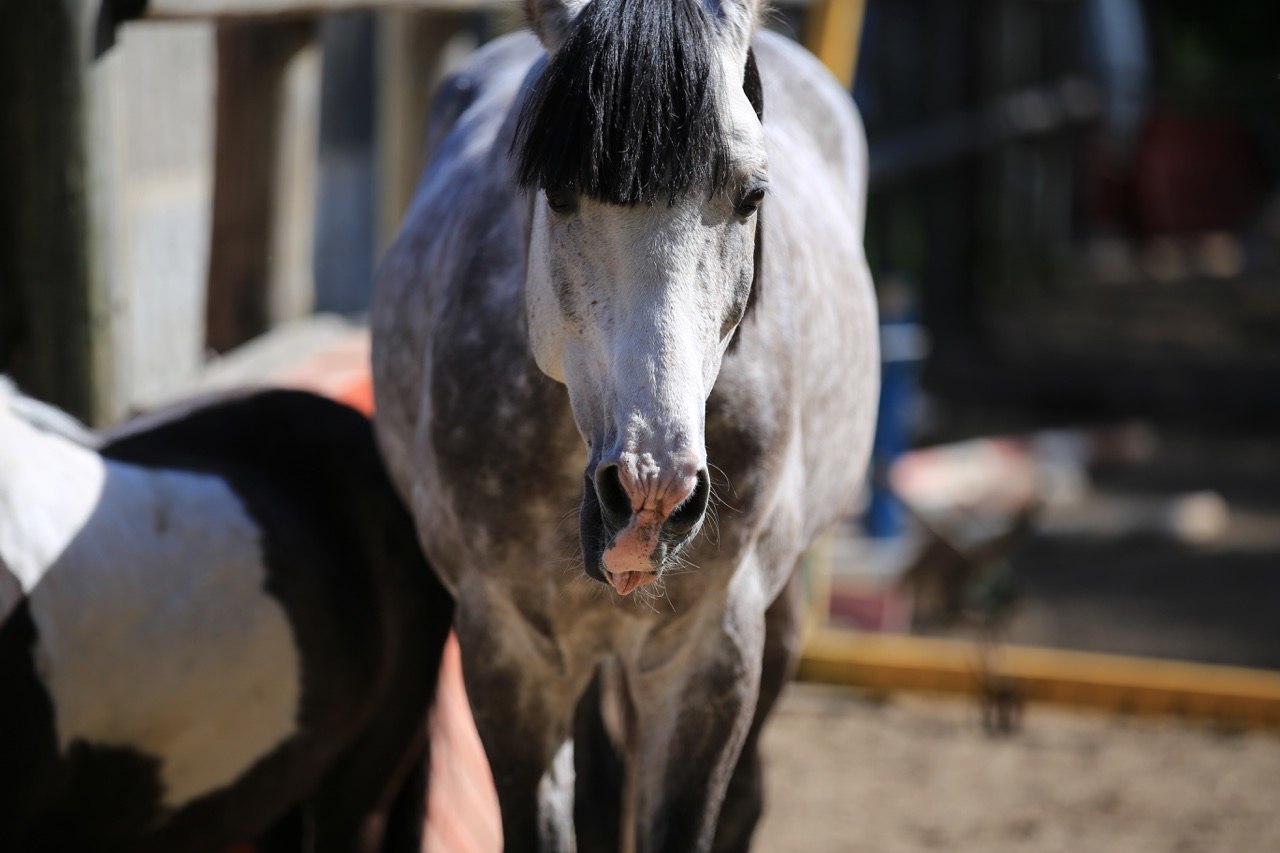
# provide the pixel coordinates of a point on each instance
(506, 461)
(154, 633)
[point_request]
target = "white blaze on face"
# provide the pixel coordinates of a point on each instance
(628, 307)
(633, 308)
(156, 633)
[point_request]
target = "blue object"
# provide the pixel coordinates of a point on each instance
(902, 349)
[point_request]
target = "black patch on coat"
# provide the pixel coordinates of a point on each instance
(105, 795)
(599, 774)
(10, 588)
(28, 743)
(91, 798)
(592, 532)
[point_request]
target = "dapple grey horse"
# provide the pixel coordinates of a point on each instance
(630, 286)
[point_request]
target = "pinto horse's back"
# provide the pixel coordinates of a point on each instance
(227, 518)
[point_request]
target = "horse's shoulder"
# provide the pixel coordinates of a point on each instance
(784, 60)
(495, 69)
(464, 191)
(800, 92)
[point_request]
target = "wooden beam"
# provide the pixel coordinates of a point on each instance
(205, 10)
(1142, 686)
(833, 30)
(252, 58)
(412, 60)
(55, 310)
(209, 9)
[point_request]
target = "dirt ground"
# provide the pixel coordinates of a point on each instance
(852, 773)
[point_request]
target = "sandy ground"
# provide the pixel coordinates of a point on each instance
(919, 774)
(849, 773)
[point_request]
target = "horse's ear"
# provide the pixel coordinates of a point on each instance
(739, 19)
(551, 19)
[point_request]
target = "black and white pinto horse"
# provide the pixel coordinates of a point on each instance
(217, 625)
(636, 254)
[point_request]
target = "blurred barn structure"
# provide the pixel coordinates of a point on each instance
(179, 184)
(1080, 195)
(182, 175)
(1078, 200)
(1086, 194)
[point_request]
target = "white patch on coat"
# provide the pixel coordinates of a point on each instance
(555, 798)
(156, 633)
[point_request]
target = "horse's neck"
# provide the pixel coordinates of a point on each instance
(49, 487)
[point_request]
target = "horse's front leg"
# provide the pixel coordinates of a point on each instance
(744, 801)
(692, 723)
(523, 704)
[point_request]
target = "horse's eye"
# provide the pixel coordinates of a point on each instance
(562, 201)
(751, 201)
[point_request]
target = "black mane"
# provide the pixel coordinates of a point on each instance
(626, 111)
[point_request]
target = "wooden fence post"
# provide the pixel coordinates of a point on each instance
(832, 31)
(252, 59)
(55, 323)
(412, 60)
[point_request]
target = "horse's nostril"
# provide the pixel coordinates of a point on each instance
(689, 513)
(615, 503)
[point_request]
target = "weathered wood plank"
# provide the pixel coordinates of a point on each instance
(412, 60)
(205, 9)
(55, 329)
(252, 58)
(208, 9)
(1220, 694)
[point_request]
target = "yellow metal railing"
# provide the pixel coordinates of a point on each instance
(833, 30)
(1141, 686)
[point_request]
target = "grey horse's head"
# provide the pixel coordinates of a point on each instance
(641, 138)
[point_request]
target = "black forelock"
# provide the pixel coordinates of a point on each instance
(626, 110)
